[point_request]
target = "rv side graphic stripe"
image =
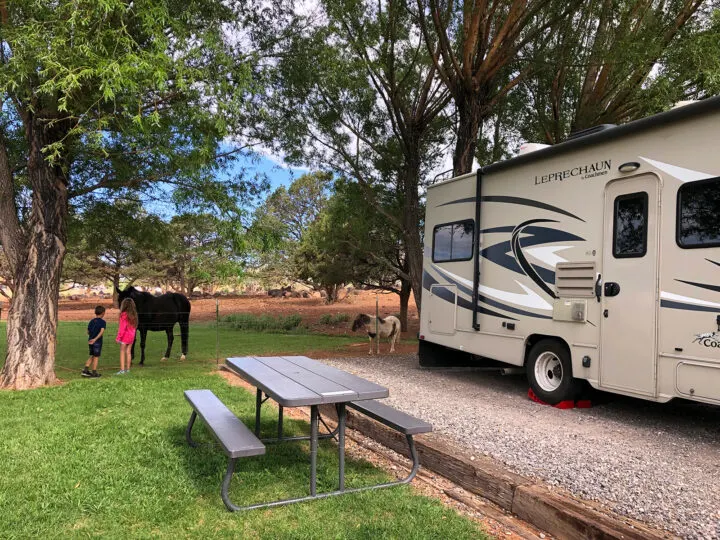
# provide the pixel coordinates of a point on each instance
(687, 300)
(514, 200)
(688, 307)
(511, 309)
(715, 263)
(428, 281)
(681, 173)
(715, 288)
(482, 298)
(526, 266)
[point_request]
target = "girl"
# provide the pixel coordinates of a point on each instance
(126, 333)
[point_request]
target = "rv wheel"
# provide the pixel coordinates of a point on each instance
(549, 372)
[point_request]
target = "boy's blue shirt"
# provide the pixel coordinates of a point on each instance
(94, 328)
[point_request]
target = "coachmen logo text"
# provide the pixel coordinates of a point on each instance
(708, 339)
(599, 168)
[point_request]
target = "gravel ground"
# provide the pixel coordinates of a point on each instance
(656, 463)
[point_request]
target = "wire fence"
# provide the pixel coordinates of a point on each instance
(211, 336)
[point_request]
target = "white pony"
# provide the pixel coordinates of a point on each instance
(389, 327)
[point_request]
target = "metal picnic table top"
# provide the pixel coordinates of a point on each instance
(295, 381)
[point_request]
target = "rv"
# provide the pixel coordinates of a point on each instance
(596, 259)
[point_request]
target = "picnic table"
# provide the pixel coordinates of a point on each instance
(298, 381)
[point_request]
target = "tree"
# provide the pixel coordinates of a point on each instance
(204, 249)
(114, 240)
(102, 96)
(476, 46)
(359, 95)
(370, 248)
(281, 221)
(613, 62)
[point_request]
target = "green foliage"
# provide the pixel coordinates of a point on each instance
(203, 249)
(280, 224)
(110, 460)
(262, 323)
(617, 62)
(332, 320)
(113, 239)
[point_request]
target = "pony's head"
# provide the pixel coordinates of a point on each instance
(360, 321)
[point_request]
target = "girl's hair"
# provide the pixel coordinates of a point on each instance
(128, 306)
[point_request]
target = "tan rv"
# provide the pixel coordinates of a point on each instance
(596, 259)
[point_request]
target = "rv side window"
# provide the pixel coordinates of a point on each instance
(698, 224)
(630, 231)
(453, 241)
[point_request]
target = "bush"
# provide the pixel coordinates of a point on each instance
(336, 319)
(262, 323)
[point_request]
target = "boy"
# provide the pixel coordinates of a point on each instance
(95, 330)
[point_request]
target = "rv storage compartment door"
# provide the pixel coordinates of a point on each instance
(698, 380)
(443, 301)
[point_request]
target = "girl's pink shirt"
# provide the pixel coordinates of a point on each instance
(126, 332)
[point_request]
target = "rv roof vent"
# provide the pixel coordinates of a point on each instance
(589, 131)
(528, 147)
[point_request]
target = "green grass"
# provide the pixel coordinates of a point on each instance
(72, 349)
(262, 323)
(330, 319)
(107, 457)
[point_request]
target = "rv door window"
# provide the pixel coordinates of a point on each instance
(453, 241)
(698, 224)
(630, 231)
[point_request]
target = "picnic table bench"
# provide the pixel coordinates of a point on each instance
(295, 381)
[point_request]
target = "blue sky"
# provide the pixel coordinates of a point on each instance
(278, 174)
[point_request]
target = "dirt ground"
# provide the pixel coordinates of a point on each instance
(310, 309)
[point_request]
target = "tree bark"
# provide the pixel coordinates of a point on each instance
(405, 290)
(411, 225)
(469, 121)
(116, 286)
(32, 320)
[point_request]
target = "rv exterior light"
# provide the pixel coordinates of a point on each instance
(630, 166)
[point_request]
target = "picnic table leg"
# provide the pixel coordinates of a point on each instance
(280, 422)
(341, 444)
(313, 448)
(258, 404)
(188, 429)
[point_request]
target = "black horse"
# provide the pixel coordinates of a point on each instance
(158, 313)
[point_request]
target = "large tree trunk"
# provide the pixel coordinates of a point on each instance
(411, 224)
(32, 320)
(469, 121)
(115, 287)
(405, 290)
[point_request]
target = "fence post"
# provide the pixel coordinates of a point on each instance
(217, 331)
(377, 316)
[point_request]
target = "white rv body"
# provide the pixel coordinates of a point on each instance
(558, 227)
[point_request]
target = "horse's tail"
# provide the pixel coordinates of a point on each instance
(183, 307)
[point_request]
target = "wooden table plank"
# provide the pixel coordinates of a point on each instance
(364, 388)
(330, 391)
(285, 391)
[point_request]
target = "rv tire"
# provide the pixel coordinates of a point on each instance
(549, 372)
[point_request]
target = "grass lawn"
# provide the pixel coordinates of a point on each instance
(107, 457)
(72, 348)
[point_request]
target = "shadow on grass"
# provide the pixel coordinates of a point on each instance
(282, 472)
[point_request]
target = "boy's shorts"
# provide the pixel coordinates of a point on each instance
(95, 349)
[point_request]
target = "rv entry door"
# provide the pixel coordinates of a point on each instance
(629, 293)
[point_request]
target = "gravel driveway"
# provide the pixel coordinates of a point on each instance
(656, 463)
